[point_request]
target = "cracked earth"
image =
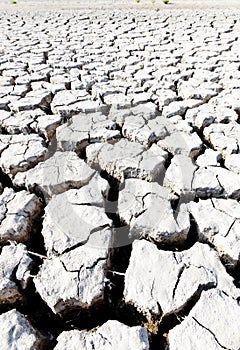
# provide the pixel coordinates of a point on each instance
(119, 178)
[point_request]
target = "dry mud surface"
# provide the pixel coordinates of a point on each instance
(120, 176)
(43, 5)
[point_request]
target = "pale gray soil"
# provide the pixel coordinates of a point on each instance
(120, 175)
(122, 4)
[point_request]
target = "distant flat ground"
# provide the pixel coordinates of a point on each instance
(121, 4)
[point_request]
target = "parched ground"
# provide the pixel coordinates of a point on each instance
(119, 175)
(123, 4)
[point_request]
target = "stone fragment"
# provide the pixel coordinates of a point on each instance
(20, 90)
(179, 175)
(6, 81)
(201, 116)
(211, 324)
(126, 159)
(177, 123)
(139, 98)
(20, 122)
(218, 222)
(15, 264)
(76, 279)
(20, 152)
(224, 137)
(205, 75)
(212, 181)
(67, 103)
(146, 208)
(138, 129)
(207, 114)
(3, 116)
(179, 142)
(46, 125)
(112, 335)
(34, 99)
(77, 229)
(232, 162)
(180, 107)
(64, 170)
(18, 333)
(17, 213)
(84, 129)
(29, 121)
(4, 101)
(61, 79)
(6, 90)
(71, 217)
(162, 282)
(165, 71)
(194, 89)
(165, 97)
(210, 157)
(228, 98)
(67, 97)
(119, 99)
(147, 111)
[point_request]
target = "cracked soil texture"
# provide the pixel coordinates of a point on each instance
(120, 175)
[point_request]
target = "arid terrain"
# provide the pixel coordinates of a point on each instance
(122, 4)
(119, 175)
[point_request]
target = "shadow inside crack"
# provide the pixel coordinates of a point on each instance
(159, 340)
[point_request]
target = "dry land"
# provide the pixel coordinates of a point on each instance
(120, 175)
